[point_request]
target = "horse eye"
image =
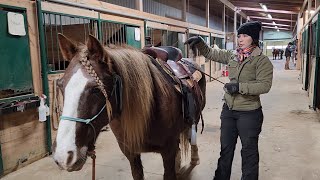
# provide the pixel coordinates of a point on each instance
(95, 90)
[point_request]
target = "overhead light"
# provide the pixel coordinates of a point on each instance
(264, 7)
(276, 27)
(273, 23)
(311, 11)
(269, 16)
(278, 30)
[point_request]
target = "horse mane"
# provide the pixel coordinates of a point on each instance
(139, 76)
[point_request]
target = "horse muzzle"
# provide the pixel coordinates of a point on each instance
(71, 161)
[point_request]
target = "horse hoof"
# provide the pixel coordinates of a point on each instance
(195, 161)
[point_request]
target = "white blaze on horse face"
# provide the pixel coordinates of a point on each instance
(66, 135)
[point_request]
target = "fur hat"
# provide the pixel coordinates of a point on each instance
(250, 28)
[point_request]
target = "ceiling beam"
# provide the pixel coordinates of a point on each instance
(270, 27)
(275, 24)
(269, 10)
(274, 19)
(231, 6)
(303, 7)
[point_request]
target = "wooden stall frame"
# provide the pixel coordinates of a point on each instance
(132, 13)
(127, 21)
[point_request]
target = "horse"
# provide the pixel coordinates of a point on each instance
(146, 116)
(275, 54)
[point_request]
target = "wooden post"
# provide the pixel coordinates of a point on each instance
(184, 10)
(224, 24)
(139, 5)
(317, 3)
(207, 13)
(240, 20)
(309, 9)
(224, 19)
(235, 28)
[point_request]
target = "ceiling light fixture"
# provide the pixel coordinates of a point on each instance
(269, 16)
(278, 30)
(273, 23)
(276, 27)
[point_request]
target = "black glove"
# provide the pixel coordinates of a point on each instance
(231, 88)
(193, 41)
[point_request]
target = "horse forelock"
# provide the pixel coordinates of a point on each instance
(138, 93)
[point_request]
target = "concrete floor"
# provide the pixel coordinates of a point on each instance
(289, 142)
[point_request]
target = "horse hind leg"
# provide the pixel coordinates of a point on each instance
(136, 166)
(195, 160)
(169, 156)
(178, 161)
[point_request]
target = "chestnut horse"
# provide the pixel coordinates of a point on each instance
(146, 116)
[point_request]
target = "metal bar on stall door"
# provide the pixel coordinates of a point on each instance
(84, 29)
(123, 34)
(44, 73)
(112, 37)
(102, 33)
(45, 34)
(92, 27)
(61, 29)
(52, 52)
(88, 27)
(57, 41)
(116, 35)
(120, 32)
(107, 34)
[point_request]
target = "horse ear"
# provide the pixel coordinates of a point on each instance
(96, 51)
(67, 47)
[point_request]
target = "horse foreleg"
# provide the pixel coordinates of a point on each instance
(136, 166)
(169, 157)
(134, 158)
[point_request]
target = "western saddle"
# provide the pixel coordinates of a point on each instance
(183, 75)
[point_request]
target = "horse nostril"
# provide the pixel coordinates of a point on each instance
(70, 157)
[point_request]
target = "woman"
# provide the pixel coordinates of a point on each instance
(250, 74)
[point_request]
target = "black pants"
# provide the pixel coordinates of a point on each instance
(247, 125)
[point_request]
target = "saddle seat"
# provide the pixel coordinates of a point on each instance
(171, 57)
(183, 74)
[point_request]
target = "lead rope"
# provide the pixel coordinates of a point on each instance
(92, 154)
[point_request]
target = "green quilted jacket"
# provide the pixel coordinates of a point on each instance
(254, 76)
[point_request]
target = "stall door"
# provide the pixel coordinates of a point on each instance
(133, 36)
(15, 68)
(312, 68)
